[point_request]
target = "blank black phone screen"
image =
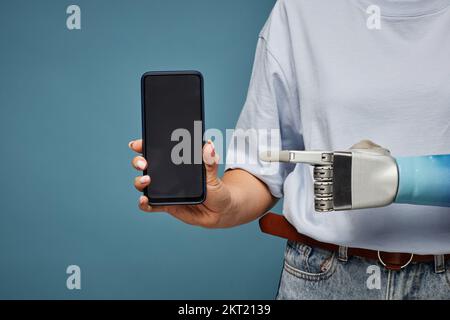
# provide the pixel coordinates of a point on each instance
(173, 137)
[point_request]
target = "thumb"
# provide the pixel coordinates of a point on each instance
(211, 160)
(365, 144)
(370, 145)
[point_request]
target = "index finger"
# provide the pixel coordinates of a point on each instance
(136, 145)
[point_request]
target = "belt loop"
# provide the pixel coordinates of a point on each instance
(439, 263)
(343, 254)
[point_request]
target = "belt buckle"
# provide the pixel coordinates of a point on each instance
(391, 266)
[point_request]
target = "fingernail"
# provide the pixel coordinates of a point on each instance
(144, 179)
(141, 199)
(209, 157)
(214, 156)
(130, 144)
(213, 148)
(140, 164)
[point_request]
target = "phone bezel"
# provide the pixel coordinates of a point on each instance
(173, 201)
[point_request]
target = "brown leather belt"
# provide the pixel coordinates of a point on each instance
(277, 225)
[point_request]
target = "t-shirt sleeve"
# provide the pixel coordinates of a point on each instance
(270, 120)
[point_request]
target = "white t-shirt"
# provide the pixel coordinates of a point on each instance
(327, 78)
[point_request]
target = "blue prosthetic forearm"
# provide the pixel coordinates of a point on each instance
(424, 180)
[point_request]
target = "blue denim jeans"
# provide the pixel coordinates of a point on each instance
(312, 273)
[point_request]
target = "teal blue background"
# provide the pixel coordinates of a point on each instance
(70, 102)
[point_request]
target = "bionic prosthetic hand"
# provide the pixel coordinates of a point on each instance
(369, 178)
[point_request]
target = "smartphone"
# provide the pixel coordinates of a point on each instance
(172, 133)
